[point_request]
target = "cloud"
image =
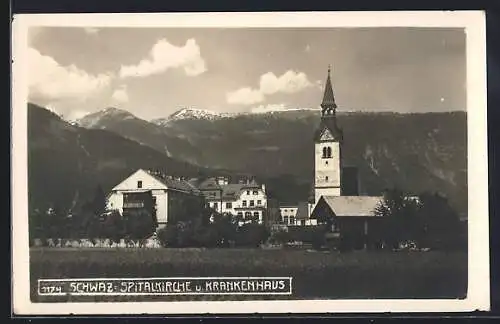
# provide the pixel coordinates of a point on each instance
(245, 96)
(289, 82)
(91, 30)
(49, 80)
(164, 56)
(120, 94)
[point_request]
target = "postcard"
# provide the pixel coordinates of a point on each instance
(236, 163)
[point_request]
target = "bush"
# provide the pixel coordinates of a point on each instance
(168, 236)
(280, 237)
(251, 235)
(207, 236)
(139, 224)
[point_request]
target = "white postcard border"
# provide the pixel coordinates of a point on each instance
(478, 297)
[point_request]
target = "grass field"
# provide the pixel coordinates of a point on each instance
(316, 275)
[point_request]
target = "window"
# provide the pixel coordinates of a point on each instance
(326, 162)
(244, 203)
(248, 215)
(285, 219)
(259, 202)
(215, 205)
(327, 152)
(255, 192)
(256, 215)
(326, 179)
(248, 192)
(229, 205)
(139, 184)
(251, 203)
(292, 220)
(240, 214)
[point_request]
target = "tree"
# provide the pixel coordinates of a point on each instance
(225, 226)
(99, 201)
(139, 224)
(113, 226)
(440, 224)
(168, 236)
(399, 212)
(36, 229)
(54, 223)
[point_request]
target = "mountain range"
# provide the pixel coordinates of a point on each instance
(415, 152)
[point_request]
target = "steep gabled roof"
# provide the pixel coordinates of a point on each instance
(302, 211)
(347, 206)
(174, 184)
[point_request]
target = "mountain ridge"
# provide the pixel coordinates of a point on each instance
(416, 151)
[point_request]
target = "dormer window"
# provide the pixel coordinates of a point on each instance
(139, 184)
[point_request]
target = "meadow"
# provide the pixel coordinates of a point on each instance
(316, 275)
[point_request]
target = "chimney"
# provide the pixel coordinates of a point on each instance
(263, 187)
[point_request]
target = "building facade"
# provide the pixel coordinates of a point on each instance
(172, 199)
(246, 200)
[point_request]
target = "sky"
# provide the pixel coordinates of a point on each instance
(153, 72)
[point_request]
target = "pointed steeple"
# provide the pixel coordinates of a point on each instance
(328, 104)
(328, 113)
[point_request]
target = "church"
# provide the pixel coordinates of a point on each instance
(335, 198)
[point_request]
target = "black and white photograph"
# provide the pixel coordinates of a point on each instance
(249, 163)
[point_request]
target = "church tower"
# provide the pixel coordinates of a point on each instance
(328, 148)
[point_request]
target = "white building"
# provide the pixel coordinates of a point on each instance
(169, 196)
(296, 215)
(246, 200)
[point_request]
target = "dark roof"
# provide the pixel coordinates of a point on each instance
(232, 191)
(171, 183)
(210, 183)
(328, 118)
(328, 97)
(302, 211)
